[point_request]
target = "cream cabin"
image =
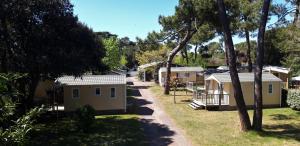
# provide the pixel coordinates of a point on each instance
(102, 92)
(218, 91)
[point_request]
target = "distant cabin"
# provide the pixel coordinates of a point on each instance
(280, 72)
(218, 91)
(296, 82)
(142, 69)
(102, 92)
(183, 74)
(41, 94)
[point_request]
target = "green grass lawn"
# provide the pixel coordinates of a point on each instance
(107, 130)
(281, 125)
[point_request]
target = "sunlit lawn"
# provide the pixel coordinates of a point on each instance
(107, 130)
(281, 125)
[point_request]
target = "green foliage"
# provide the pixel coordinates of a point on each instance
(293, 99)
(249, 16)
(160, 54)
(272, 49)
(112, 58)
(242, 47)
(150, 43)
(140, 75)
(14, 129)
(85, 117)
(282, 47)
(123, 60)
(17, 134)
(44, 39)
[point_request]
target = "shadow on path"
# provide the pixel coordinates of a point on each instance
(157, 134)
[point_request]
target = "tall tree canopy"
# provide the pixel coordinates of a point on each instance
(112, 58)
(191, 18)
(248, 22)
(45, 39)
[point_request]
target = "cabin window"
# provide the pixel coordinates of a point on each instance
(75, 93)
(98, 92)
(181, 75)
(270, 88)
(187, 74)
(112, 92)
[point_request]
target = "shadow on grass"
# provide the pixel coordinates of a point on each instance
(186, 100)
(281, 117)
(282, 131)
(107, 130)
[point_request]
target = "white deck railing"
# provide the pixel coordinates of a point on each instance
(212, 99)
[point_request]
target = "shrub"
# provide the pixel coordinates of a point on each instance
(17, 134)
(85, 117)
(293, 99)
(140, 75)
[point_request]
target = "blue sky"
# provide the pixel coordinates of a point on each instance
(132, 18)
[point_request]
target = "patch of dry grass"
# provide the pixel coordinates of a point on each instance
(281, 125)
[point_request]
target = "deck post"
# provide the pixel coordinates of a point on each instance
(220, 95)
(206, 92)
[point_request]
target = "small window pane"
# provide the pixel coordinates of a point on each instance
(270, 88)
(187, 75)
(112, 92)
(75, 93)
(98, 91)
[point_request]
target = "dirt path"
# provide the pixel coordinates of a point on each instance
(159, 128)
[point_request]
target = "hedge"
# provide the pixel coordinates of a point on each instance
(293, 99)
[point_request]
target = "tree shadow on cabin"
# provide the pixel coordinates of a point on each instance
(108, 130)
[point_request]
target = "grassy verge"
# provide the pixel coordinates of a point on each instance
(107, 130)
(281, 125)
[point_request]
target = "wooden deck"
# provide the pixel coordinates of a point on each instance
(202, 100)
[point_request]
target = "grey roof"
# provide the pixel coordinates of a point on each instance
(92, 80)
(149, 64)
(296, 78)
(277, 69)
(244, 77)
(182, 69)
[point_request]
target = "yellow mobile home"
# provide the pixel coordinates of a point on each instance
(280, 72)
(102, 92)
(219, 91)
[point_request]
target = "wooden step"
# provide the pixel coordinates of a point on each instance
(196, 105)
(198, 102)
(193, 107)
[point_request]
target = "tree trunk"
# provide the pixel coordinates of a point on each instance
(34, 80)
(179, 47)
(258, 103)
(248, 51)
(196, 52)
(238, 94)
(226, 50)
(186, 56)
(297, 17)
